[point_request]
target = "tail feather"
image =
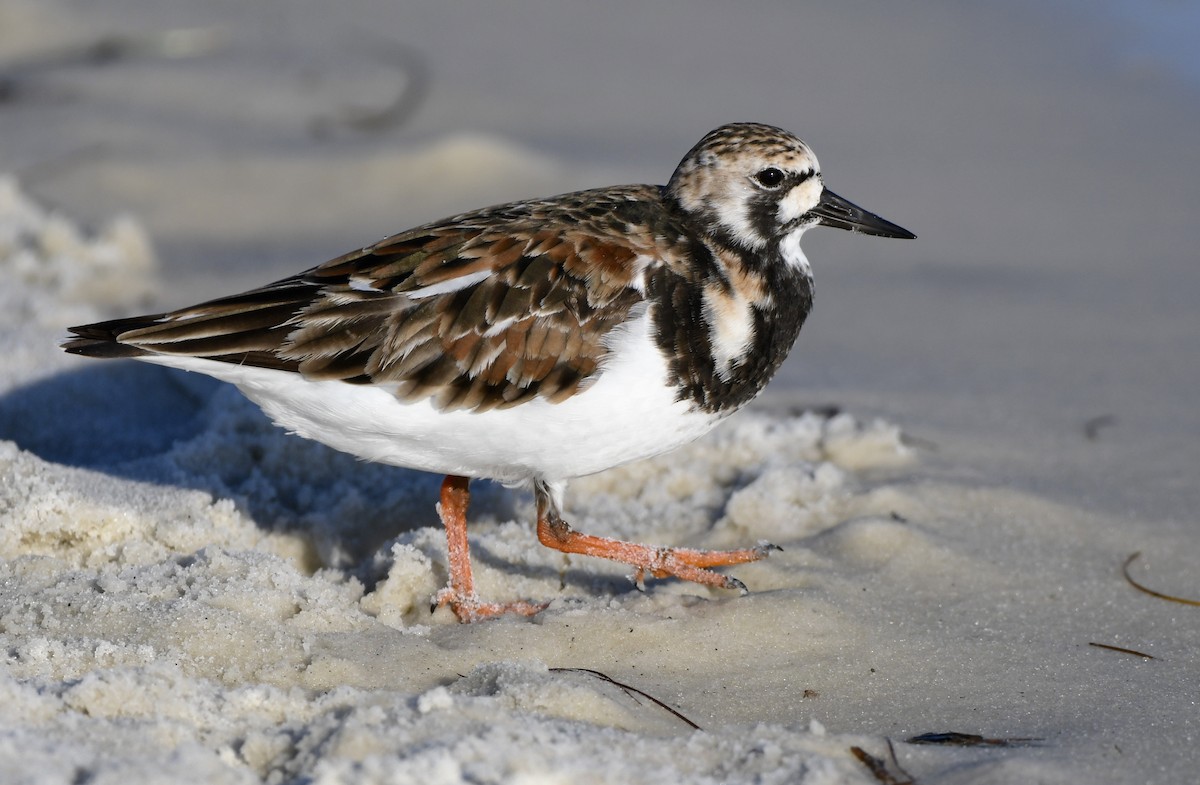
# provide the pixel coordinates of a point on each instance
(249, 327)
(100, 339)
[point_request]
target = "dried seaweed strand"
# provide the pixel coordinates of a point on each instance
(956, 739)
(1148, 590)
(878, 768)
(1123, 650)
(896, 762)
(629, 690)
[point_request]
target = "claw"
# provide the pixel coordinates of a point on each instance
(734, 583)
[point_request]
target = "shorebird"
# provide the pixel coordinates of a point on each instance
(536, 341)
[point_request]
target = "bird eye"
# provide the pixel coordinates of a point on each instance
(769, 177)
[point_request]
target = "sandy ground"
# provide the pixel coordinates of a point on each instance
(188, 594)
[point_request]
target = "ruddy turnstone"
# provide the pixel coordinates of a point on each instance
(536, 341)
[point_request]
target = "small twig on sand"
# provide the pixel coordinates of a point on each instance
(879, 769)
(1147, 590)
(628, 691)
(1123, 650)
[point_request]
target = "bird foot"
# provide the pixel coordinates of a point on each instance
(469, 608)
(687, 564)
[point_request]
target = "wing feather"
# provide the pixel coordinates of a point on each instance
(542, 286)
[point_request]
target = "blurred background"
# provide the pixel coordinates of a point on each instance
(1042, 330)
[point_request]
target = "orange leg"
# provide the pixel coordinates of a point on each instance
(686, 563)
(460, 594)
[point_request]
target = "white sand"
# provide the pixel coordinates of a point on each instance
(188, 594)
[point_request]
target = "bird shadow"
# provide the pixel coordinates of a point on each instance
(156, 425)
(106, 416)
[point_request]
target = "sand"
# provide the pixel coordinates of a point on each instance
(976, 431)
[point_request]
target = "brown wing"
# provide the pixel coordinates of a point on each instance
(485, 310)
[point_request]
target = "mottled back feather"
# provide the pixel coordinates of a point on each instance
(485, 309)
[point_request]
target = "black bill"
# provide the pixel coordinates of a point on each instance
(835, 211)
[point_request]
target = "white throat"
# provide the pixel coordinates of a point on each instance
(793, 254)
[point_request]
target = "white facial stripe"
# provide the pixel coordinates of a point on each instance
(800, 200)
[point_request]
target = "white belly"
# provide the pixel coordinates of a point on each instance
(627, 414)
